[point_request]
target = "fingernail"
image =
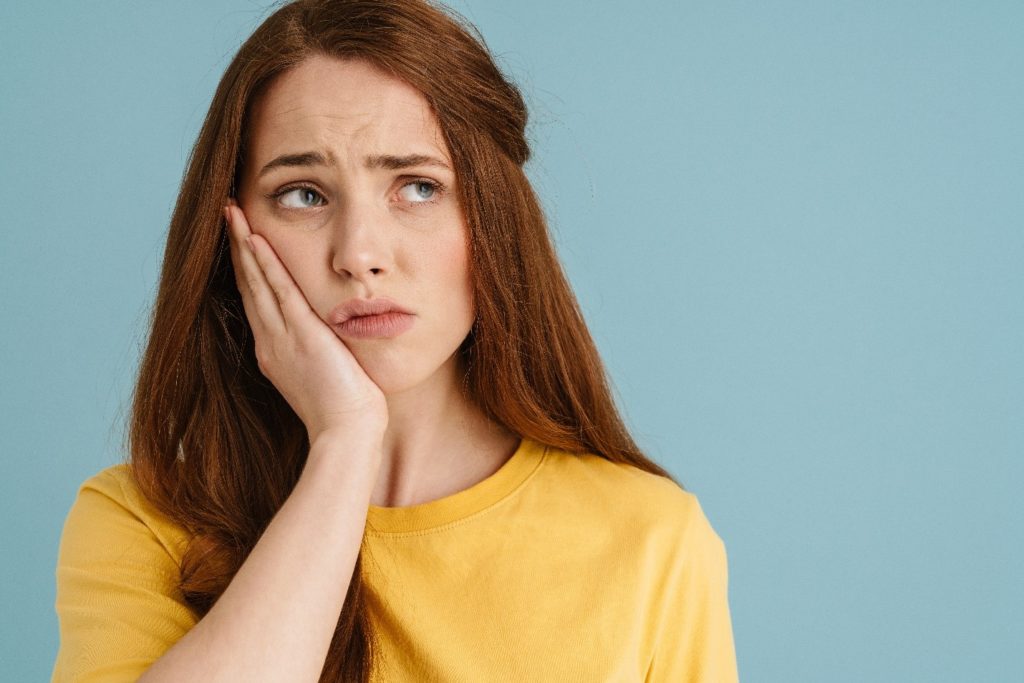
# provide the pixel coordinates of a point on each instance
(248, 241)
(227, 214)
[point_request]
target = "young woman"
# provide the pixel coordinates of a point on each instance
(371, 436)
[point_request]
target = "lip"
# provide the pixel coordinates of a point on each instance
(370, 318)
(359, 307)
(390, 324)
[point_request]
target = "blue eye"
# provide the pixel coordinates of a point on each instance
(423, 191)
(303, 194)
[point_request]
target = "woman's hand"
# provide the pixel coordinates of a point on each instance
(296, 350)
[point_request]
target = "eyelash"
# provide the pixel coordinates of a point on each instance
(439, 191)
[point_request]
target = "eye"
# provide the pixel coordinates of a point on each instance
(302, 197)
(422, 191)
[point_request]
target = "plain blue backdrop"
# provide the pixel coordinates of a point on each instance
(796, 230)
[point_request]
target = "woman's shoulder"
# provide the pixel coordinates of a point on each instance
(595, 473)
(626, 492)
(118, 573)
(114, 481)
(108, 506)
(116, 484)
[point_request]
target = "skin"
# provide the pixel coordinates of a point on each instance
(323, 233)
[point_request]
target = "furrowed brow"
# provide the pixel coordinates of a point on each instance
(392, 162)
(301, 159)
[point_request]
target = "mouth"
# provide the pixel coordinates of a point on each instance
(377, 326)
(357, 308)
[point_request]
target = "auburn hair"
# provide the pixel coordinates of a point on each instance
(211, 442)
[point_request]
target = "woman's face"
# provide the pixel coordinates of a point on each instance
(331, 181)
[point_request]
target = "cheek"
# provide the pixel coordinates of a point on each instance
(455, 260)
(441, 257)
(297, 258)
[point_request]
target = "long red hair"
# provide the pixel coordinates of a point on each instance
(212, 443)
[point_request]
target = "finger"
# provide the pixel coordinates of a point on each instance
(262, 309)
(240, 283)
(292, 302)
(262, 300)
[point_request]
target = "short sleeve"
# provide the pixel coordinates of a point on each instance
(117, 601)
(695, 640)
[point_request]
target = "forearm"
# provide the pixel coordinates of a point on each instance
(276, 618)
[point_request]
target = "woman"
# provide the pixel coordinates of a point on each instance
(371, 436)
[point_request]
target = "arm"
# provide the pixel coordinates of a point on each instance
(275, 620)
(118, 602)
(695, 641)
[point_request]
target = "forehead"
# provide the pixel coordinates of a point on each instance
(348, 106)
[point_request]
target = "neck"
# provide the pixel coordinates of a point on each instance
(438, 442)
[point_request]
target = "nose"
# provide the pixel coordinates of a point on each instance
(360, 246)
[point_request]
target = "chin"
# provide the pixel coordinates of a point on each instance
(395, 377)
(393, 386)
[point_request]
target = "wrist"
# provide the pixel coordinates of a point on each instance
(346, 446)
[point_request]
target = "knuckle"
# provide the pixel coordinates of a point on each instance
(262, 358)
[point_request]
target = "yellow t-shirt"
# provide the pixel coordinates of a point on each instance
(558, 567)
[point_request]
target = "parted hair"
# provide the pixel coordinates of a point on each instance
(211, 443)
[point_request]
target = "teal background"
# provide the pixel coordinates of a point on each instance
(795, 229)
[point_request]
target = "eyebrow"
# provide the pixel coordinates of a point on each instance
(390, 162)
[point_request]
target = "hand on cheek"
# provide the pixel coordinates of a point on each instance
(299, 353)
